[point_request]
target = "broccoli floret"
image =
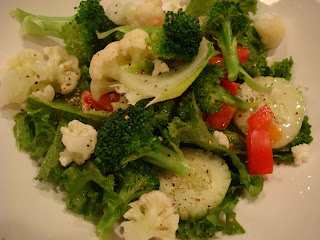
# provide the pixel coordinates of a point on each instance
(225, 22)
(179, 38)
(207, 91)
(134, 180)
(281, 69)
(78, 31)
(199, 8)
(128, 135)
(188, 127)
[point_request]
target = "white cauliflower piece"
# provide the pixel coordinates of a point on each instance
(151, 217)
(271, 30)
(30, 72)
(144, 14)
(80, 140)
(159, 67)
(301, 153)
(134, 46)
(221, 138)
(105, 69)
(67, 69)
(105, 66)
(46, 93)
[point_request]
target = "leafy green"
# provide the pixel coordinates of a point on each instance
(281, 69)
(207, 227)
(34, 132)
(253, 183)
(68, 112)
(51, 167)
(85, 189)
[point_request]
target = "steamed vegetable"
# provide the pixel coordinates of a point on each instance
(224, 23)
(78, 31)
(128, 135)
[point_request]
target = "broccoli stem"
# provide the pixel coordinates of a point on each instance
(168, 159)
(41, 25)
(107, 221)
(229, 51)
(127, 193)
(254, 84)
(222, 95)
(125, 29)
(228, 45)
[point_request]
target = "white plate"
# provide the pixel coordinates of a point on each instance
(286, 209)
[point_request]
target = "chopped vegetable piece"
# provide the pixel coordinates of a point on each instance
(259, 151)
(261, 119)
(221, 120)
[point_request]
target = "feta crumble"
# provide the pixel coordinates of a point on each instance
(301, 153)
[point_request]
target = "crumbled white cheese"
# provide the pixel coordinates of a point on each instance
(221, 138)
(80, 140)
(301, 153)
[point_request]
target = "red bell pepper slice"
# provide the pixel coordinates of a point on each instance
(259, 152)
(221, 120)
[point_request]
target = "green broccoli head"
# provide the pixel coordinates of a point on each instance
(80, 35)
(204, 88)
(209, 94)
(126, 135)
(179, 38)
(222, 14)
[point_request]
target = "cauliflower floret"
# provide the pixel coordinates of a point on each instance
(105, 66)
(301, 153)
(221, 138)
(271, 30)
(134, 46)
(145, 14)
(151, 217)
(45, 93)
(29, 72)
(80, 140)
(67, 71)
(159, 67)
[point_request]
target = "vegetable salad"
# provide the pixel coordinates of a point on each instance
(161, 124)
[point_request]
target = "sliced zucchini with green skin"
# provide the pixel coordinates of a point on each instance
(286, 102)
(204, 189)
